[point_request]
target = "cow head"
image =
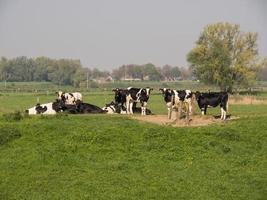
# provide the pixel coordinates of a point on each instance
(144, 94)
(167, 94)
(60, 95)
(58, 105)
(120, 95)
(197, 95)
(117, 94)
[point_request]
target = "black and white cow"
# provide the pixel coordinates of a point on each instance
(79, 108)
(69, 98)
(137, 95)
(46, 109)
(212, 99)
(175, 99)
(120, 96)
(60, 106)
(88, 108)
(115, 108)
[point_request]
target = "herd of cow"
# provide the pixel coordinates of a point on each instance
(125, 101)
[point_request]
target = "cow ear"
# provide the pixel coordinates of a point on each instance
(151, 89)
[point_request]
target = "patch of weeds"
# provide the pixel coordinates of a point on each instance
(16, 116)
(228, 135)
(7, 134)
(226, 149)
(218, 147)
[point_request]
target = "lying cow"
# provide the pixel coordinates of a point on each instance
(69, 98)
(79, 108)
(88, 108)
(135, 95)
(176, 99)
(212, 99)
(46, 109)
(113, 108)
(60, 106)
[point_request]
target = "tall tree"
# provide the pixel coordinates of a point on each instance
(225, 56)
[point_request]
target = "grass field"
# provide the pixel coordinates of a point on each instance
(115, 157)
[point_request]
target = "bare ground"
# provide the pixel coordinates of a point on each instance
(195, 120)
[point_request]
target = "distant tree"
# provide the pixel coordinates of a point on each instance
(151, 71)
(186, 73)
(262, 74)
(80, 77)
(225, 56)
(176, 72)
(166, 72)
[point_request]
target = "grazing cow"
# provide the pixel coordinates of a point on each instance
(137, 95)
(46, 109)
(69, 98)
(177, 98)
(213, 99)
(113, 108)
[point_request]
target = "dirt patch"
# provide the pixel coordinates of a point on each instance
(195, 120)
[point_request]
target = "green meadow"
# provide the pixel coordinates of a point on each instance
(115, 157)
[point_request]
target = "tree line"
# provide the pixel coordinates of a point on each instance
(223, 56)
(71, 72)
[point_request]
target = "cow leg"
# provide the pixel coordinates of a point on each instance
(222, 112)
(224, 109)
(144, 108)
(127, 107)
(202, 111)
(205, 110)
(179, 111)
(169, 113)
(190, 107)
(131, 107)
(187, 110)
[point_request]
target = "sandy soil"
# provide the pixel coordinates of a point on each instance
(195, 120)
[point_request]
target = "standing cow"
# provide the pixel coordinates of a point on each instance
(135, 95)
(212, 99)
(178, 99)
(69, 98)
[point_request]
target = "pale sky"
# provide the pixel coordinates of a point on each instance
(109, 33)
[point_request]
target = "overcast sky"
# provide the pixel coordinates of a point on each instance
(109, 33)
